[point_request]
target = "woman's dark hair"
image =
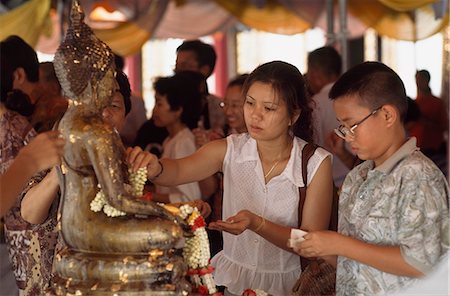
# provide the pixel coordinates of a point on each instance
(183, 91)
(16, 53)
(289, 85)
(124, 89)
(238, 80)
(204, 52)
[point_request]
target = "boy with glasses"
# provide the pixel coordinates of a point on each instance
(393, 208)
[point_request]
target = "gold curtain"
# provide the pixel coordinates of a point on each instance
(273, 17)
(406, 5)
(413, 25)
(28, 21)
(129, 37)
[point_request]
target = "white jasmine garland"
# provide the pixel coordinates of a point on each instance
(137, 180)
(196, 252)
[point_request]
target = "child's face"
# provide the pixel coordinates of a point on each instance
(163, 116)
(266, 115)
(364, 127)
(233, 108)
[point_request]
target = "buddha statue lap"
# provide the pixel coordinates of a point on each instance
(127, 255)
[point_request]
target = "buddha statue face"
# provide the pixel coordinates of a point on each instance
(98, 95)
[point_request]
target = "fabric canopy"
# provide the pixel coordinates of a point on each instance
(399, 19)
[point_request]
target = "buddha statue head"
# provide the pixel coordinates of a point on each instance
(84, 64)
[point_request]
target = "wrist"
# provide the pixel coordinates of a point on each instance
(159, 173)
(260, 225)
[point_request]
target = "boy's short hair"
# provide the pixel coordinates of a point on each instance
(375, 84)
(205, 53)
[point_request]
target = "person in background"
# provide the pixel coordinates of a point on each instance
(324, 68)
(51, 104)
(197, 56)
(393, 208)
(233, 108)
(262, 176)
(19, 83)
(177, 109)
(434, 119)
(136, 117)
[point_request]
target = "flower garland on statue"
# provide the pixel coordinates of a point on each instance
(137, 180)
(196, 250)
(196, 253)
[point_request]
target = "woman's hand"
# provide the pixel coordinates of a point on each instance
(137, 158)
(238, 223)
(203, 207)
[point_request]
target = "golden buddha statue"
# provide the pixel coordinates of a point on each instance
(127, 255)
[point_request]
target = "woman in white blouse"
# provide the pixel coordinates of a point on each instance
(262, 174)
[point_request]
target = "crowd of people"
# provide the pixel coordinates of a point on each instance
(240, 158)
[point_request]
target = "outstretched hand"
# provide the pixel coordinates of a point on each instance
(235, 224)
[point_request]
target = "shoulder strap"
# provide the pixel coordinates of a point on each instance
(307, 152)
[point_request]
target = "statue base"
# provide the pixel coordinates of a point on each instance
(157, 273)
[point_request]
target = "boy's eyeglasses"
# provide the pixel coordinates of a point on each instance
(343, 131)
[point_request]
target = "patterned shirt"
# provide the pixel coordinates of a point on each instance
(30, 246)
(403, 202)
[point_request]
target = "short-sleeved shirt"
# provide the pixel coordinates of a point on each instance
(248, 260)
(181, 145)
(403, 202)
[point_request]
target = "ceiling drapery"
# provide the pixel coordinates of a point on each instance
(130, 36)
(400, 19)
(28, 21)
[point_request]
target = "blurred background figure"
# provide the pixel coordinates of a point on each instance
(177, 109)
(324, 68)
(196, 55)
(137, 116)
(51, 104)
(434, 121)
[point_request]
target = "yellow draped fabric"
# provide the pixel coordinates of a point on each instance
(273, 17)
(28, 21)
(129, 37)
(410, 26)
(406, 5)
(399, 19)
